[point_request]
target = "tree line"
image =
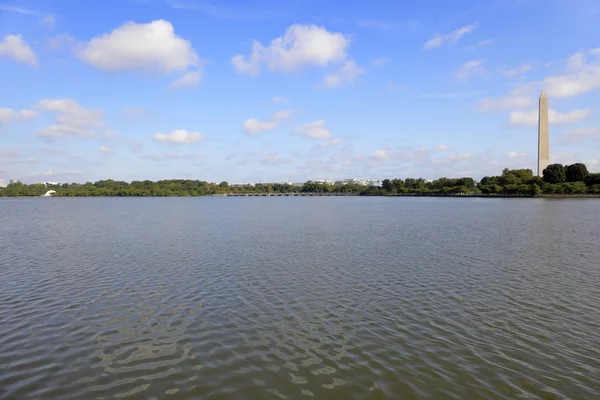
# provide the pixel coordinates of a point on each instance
(557, 179)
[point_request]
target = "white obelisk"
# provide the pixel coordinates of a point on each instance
(543, 135)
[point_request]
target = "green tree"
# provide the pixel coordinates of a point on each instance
(535, 189)
(510, 179)
(576, 172)
(410, 183)
(466, 181)
(574, 187)
(398, 183)
(592, 179)
(555, 173)
(523, 175)
(387, 185)
(537, 180)
(593, 189)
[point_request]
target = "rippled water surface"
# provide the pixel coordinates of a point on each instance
(292, 298)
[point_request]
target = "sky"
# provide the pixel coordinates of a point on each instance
(292, 90)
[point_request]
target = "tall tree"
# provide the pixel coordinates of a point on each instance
(592, 179)
(387, 185)
(555, 173)
(576, 172)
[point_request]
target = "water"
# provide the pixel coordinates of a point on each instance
(327, 298)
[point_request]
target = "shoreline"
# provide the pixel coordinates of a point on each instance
(479, 196)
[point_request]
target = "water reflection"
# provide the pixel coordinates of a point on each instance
(290, 298)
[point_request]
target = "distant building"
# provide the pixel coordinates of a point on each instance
(2, 184)
(12, 181)
(51, 183)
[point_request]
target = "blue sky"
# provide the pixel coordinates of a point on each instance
(291, 90)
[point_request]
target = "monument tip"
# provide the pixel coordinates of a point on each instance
(543, 95)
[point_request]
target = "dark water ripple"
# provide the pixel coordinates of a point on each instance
(353, 298)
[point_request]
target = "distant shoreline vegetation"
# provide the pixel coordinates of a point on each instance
(557, 180)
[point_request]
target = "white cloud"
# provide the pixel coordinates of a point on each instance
(331, 142)
(179, 136)
(273, 159)
(11, 152)
(20, 10)
(470, 68)
(56, 43)
(315, 130)
(253, 126)
(481, 43)
(262, 157)
(281, 115)
(519, 97)
(518, 70)
(530, 118)
(348, 73)
(26, 115)
(582, 77)
(54, 131)
(71, 113)
(443, 147)
(150, 46)
(516, 154)
(583, 132)
(135, 113)
(13, 46)
(453, 158)
(189, 78)
(451, 37)
(111, 136)
(378, 62)
(174, 156)
(380, 155)
(72, 118)
(48, 173)
(562, 158)
(6, 116)
(279, 99)
(49, 21)
(300, 46)
(105, 150)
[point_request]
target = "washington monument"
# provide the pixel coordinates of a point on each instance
(543, 136)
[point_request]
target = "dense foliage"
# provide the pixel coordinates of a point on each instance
(557, 179)
(555, 173)
(576, 172)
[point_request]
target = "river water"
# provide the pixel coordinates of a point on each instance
(293, 298)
